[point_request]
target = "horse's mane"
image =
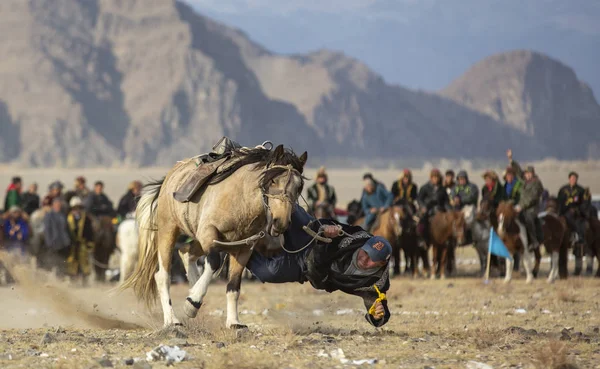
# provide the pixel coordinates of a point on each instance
(262, 158)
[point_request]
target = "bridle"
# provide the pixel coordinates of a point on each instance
(283, 195)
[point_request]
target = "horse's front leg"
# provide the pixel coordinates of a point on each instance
(527, 263)
(237, 264)
(509, 269)
(443, 261)
(198, 291)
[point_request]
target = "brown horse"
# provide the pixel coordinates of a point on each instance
(514, 236)
(444, 228)
(253, 196)
(556, 241)
(104, 244)
(388, 225)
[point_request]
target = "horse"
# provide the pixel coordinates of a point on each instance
(388, 225)
(443, 228)
(514, 236)
(556, 240)
(105, 242)
(252, 195)
(127, 241)
(324, 211)
(409, 242)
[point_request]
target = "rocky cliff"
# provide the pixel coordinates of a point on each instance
(147, 82)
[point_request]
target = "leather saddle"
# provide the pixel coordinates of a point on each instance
(207, 165)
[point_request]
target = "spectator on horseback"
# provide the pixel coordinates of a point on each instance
(322, 194)
(30, 200)
(355, 262)
(16, 231)
(492, 190)
(80, 190)
(465, 193)
(512, 185)
(376, 199)
(97, 203)
(405, 191)
(55, 192)
(528, 204)
(82, 241)
(129, 201)
(570, 199)
(13, 193)
(55, 249)
(432, 197)
(449, 182)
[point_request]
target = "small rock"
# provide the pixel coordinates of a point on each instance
(31, 352)
(129, 361)
(450, 285)
(180, 334)
(43, 354)
(220, 345)
(105, 362)
(94, 340)
(596, 329)
(46, 339)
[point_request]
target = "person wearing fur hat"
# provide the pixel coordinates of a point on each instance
(432, 197)
(405, 190)
(82, 241)
(492, 190)
(322, 194)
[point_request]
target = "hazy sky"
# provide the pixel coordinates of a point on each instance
(422, 43)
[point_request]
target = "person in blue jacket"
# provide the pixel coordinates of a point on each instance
(376, 199)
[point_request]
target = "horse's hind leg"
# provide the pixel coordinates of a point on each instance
(166, 243)
(553, 267)
(189, 258)
(237, 263)
(396, 256)
(538, 258)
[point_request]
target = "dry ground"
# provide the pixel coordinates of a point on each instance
(435, 324)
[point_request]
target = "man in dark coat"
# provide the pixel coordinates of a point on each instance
(570, 199)
(322, 194)
(30, 200)
(432, 197)
(492, 190)
(355, 263)
(128, 202)
(465, 193)
(449, 182)
(97, 203)
(57, 240)
(512, 185)
(82, 241)
(405, 190)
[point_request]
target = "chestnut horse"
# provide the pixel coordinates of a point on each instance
(514, 236)
(445, 227)
(556, 240)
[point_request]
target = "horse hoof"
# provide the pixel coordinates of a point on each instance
(442, 277)
(238, 326)
(529, 281)
(178, 324)
(432, 277)
(506, 281)
(190, 308)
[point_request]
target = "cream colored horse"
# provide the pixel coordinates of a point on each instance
(254, 197)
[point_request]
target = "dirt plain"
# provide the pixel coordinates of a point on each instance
(454, 323)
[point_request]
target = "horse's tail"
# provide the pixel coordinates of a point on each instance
(142, 279)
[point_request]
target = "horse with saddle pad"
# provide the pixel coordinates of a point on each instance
(226, 203)
(513, 234)
(556, 240)
(446, 227)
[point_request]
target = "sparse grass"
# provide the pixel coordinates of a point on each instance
(566, 295)
(553, 356)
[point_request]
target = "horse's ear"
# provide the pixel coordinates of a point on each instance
(278, 151)
(303, 158)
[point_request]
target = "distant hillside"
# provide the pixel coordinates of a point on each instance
(148, 82)
(536, 95)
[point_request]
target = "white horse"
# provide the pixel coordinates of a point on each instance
(127, 241)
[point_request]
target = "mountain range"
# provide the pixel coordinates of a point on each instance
(149, 82)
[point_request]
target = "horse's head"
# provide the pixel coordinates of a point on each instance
(485, 207)
(396, 215)
(506, 214)
(281, 184)
(552, 205)
(458, 227)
